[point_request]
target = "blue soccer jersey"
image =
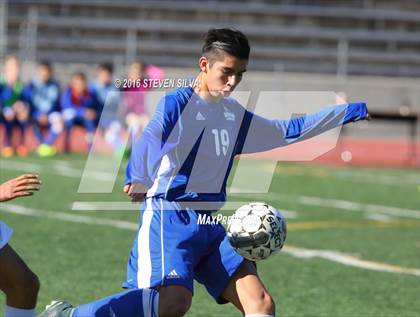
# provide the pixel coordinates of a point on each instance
(184, 156)
(187, 150)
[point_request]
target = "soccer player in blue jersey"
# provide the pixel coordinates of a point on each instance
(178, 170)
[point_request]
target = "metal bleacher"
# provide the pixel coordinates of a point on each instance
(361, 37)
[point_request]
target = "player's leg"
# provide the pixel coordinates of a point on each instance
(175, 301)
(158, 270)
(134, 303)
(247, 292)
(69, 121)
(22, 116)
(112, 134)
(19, 284)
(37, 126)
(163, 254)
(228, 277)
(54, 126)
(88, 119)
(8, 119)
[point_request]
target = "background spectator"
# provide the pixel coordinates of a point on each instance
(43, 96)
(136, 115)
(78, 106)
(14, 111)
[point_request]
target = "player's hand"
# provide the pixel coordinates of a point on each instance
(136, 191)
(24, 185)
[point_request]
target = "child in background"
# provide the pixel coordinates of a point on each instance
(136, 115)
(107, 104)
(14, 112)
(43, 95)
(78, 106)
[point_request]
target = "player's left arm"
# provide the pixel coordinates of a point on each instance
(259, 134)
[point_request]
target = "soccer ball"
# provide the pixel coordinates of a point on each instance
(257, 230)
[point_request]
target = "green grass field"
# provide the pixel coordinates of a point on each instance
(355, 213)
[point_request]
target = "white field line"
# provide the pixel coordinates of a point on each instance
(65, 170)
(369, 177)
(21, 210)
(355, 206)
(121, 205)
(329, 255)
(357, 176)
(61, 169)
(349, 260)
(336, 203)
(379, 217)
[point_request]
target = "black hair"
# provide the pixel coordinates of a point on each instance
(106, 66)
(45, 64)
(80, 75)
(225, 40)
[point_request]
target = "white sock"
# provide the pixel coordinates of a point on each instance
(258, 315)
(18, 312)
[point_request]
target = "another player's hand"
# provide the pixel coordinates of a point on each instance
(24, 185)
(136, 191)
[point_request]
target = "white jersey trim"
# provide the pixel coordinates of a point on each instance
(144, 263)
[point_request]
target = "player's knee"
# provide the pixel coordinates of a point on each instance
(264, 304)
(175, 305)
(174, 309)
(28, 284)
(25, 288)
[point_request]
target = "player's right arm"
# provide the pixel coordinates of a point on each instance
(24, 185)
(157, 139)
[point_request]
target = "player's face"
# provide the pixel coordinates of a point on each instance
(11, 71)
(104, 76)
(44, 73)
(78, 85)
(136, 71)
(224, 75)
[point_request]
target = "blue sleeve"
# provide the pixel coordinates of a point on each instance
(26, 95)
(259, 134)
(90, 102)
(66, 100)
(57, 106)
(158, 138)
(95, 98)
(1, 96)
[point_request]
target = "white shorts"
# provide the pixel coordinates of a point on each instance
(5, 234)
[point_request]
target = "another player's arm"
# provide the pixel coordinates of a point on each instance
(147, 151)
(24, 185)
(260, 134)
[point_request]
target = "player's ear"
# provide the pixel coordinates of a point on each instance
(203, 63)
